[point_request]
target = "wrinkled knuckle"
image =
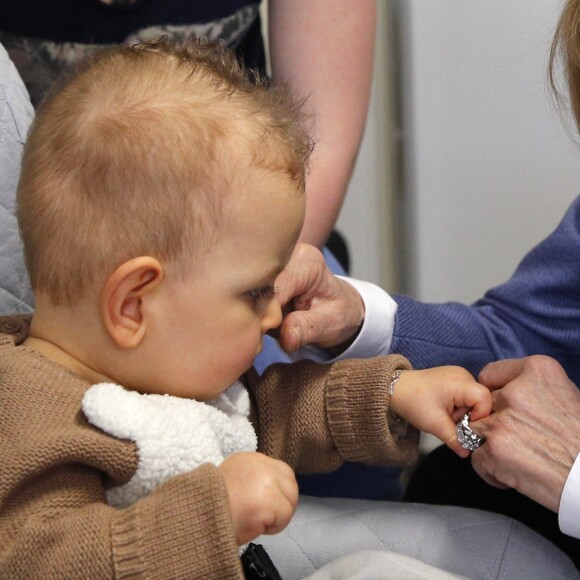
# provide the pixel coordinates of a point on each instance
(509, 396)
(508, 478)
(493, 450)
(309, 323)
(302, 252)
(543, 365)
(484, 391)
(266, 485)
(307, 252)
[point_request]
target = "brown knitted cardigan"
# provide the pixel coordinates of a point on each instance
(54, 518)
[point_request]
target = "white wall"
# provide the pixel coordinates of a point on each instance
(489, 168)
(368, 215)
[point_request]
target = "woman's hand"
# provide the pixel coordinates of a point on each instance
(318, 307)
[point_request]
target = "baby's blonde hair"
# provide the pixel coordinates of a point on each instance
(135, 154)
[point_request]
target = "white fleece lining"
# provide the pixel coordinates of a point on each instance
(173, 435)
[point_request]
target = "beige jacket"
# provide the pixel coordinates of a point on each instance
(55, 521)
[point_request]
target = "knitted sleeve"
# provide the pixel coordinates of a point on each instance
(182, 530)
(316, 416)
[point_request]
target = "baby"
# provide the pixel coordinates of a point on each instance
(162, 192)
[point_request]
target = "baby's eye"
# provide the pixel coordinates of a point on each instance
(263, 293)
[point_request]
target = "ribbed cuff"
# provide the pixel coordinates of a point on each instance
(357, 404)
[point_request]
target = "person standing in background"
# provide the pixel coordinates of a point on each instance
(322, 48)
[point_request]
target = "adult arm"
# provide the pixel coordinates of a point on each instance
(324, 50)
(537, 311)
(533, 435)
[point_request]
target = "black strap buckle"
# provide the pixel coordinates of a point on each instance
(257, 564)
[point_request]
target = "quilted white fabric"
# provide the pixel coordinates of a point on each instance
(173, 435)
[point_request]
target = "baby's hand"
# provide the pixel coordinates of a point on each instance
(263, 494)
(434, 400)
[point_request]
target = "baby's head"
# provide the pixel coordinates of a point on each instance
(161, 193)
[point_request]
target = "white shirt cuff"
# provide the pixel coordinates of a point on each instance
(569, 512)
(376, 334)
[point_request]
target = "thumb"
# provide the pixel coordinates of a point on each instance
(297, 330)
(302, 276)
(496, 375)
(453, 444)
(447, 431)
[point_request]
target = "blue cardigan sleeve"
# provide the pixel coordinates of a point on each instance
(537, 311)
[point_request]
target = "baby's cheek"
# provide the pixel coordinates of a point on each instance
(246, 350)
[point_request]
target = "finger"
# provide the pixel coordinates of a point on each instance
(446, 430)
(281, 517)
(494, 401)
(289, 488)
(481, 405)
(301, 328)
(458, 413)
(489, 479)
(287, 287)
(455, 446)
(483, 473)
(287, 483)
(302, 272)
(275, 332)
(474, 396)
(497, 374)
(290, 333)
(483, 426)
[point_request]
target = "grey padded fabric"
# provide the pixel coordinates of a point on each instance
(374, 565)
(462, 541)
(16, 114)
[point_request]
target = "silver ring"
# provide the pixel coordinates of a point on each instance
(466, 436)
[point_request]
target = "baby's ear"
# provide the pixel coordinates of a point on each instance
(122, 299)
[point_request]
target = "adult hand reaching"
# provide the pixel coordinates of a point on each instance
(533, 435)
(319, 308)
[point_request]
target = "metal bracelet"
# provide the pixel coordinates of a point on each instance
(396, 376)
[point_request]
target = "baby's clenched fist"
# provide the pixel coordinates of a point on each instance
(263, 494)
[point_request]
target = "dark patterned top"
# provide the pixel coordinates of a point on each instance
(43, 37)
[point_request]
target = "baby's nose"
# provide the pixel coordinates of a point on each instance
(273, 316)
